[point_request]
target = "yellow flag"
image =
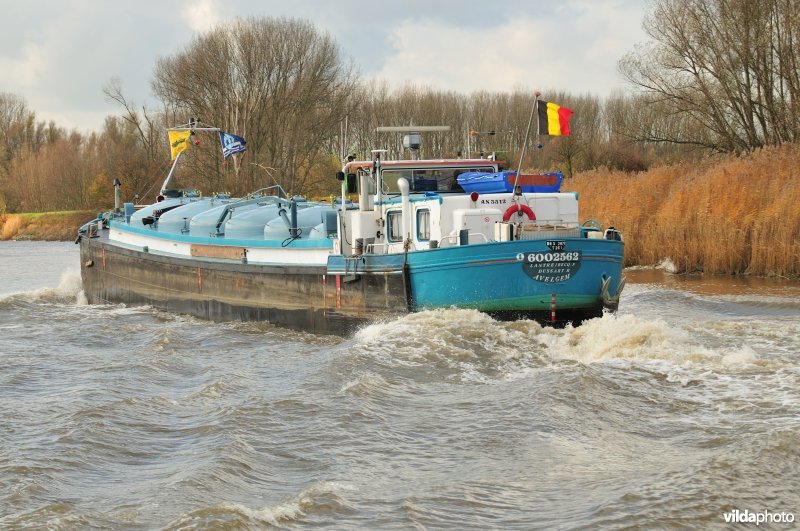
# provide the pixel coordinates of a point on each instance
(178, 142)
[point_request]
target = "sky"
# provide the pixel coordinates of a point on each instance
(59, 54)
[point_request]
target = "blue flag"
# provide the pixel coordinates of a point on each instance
(231, 144)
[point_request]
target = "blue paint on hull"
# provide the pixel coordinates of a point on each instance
(491, 277)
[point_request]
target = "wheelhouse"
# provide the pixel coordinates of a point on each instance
(422, 176)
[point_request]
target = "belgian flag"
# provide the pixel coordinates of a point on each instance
(553, 119)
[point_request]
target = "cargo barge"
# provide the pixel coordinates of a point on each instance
(423, 234)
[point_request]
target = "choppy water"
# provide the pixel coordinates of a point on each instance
(684, 405)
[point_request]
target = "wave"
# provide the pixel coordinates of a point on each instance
(322, 497)
(452, 333)
(212, 390)
(628, 337)
(667, 265)
(68, 291)
(365, 384)
(765, 302)
(468, 340)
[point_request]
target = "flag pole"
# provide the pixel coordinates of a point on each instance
(518, 191)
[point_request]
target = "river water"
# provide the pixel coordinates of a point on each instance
(682, 407)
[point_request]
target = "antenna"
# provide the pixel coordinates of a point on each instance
(412, 140)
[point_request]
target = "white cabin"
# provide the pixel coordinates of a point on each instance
(419, 205)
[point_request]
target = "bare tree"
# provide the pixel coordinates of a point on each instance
(145, 124)
(278, 82)
(726, 70)
(19, 128)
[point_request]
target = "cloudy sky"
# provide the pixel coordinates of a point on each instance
(58, 54)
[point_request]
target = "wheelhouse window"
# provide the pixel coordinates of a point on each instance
(423, 224)
(394, 226)
(428, 179)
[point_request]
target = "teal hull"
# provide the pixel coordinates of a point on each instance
(519, 276)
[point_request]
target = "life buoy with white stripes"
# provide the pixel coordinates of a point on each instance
(515, 208)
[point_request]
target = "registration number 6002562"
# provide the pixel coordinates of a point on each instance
(535, 258)
(550, 267)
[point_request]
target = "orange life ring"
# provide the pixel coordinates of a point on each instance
(515, 208)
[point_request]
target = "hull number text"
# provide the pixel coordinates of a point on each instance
(551, 267)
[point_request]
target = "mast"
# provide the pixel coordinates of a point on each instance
(164, 187)
(525, 141)
(191, 126)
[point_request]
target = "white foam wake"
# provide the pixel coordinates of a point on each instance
(69, 290)
(466, 334)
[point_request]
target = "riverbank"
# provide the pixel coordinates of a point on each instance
(723, 215)
(728, 215)
(47, 226)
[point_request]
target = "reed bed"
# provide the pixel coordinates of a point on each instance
(734, 214)
(52, 226)
(10, 226)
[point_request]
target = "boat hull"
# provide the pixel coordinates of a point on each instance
(299, 297)
(568, 280)
(521, 279)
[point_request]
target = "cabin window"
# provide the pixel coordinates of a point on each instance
(423, 224)
(427, 179)
(394, 226)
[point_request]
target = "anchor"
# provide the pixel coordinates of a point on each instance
(608, 301)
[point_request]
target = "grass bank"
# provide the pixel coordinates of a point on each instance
(737, 215)
(52, 226)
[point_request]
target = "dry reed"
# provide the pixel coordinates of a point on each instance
(11, 225)
(738, 215)
(53, 226)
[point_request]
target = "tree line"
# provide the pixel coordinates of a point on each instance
(717, 76)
